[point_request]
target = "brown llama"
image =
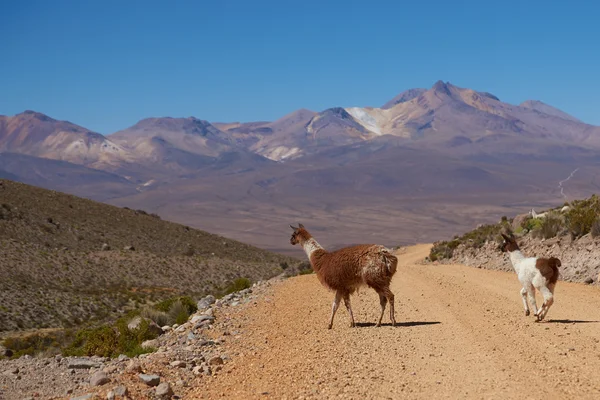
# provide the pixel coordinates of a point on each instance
(347, 269)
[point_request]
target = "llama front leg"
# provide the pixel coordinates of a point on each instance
(334, 307)
(531, 297)
(525, 305)
(349, 308)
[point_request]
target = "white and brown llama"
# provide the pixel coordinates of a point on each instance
(345, 270)
(533, 273)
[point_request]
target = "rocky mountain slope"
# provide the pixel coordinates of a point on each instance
(66, 261)
(337, 169)
(570, 233)
(38, 135)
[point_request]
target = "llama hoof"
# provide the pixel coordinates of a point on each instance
(527, 313)
(378, 325)
(330, 326)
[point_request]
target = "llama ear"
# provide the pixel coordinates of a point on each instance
(293, 228)
(300, 226)
(505, 237)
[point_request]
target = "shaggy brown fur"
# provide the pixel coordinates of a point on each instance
(345, 270)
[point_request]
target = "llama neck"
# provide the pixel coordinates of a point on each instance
(515, 258)
(310, 246)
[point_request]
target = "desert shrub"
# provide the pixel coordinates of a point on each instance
(443, 249)
(284, 265)
(549, 226)
(305, 272)
(161, 318)
(39, 343)
(484, 233)
(178, 313)
(582, 215)
(187, 301)
(238, 284)
(101, 341)
(305, 268)
(474, 239)
(110, 341)
(532, 224)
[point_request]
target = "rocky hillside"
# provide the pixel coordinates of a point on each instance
(580, 258)
(66, 261)
(570, 232)
(186, 356)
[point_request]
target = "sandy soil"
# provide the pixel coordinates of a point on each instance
(462, 334)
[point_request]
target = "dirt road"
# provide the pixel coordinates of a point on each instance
(462, 334)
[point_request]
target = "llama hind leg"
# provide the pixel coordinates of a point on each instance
(349, 308)
(383, 301)
(548, 295)
(334, 307)
(390, 297)
(531, 297)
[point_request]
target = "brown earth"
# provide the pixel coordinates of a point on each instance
(461, 334)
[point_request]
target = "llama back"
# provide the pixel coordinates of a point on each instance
(353, 266)
(341, 268)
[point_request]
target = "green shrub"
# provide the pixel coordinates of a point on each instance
(582, 215)
(178, 313)
(187, 301)
(161, 318)
(549, 227)
(305, 271)
(443, 249)
(532, 223)
(39, 343)
(110, 341)
(238, 284)
(474, 239)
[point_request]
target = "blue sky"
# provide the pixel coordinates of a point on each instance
(106, 64)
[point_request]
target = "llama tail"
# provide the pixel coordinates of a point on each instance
(554, 264)
(391, 262)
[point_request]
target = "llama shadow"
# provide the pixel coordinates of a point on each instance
(570, 321)
(398, 324)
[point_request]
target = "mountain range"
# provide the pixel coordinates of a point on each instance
(431, 161)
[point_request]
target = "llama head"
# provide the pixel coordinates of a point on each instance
(300, 235)
(509, 243)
